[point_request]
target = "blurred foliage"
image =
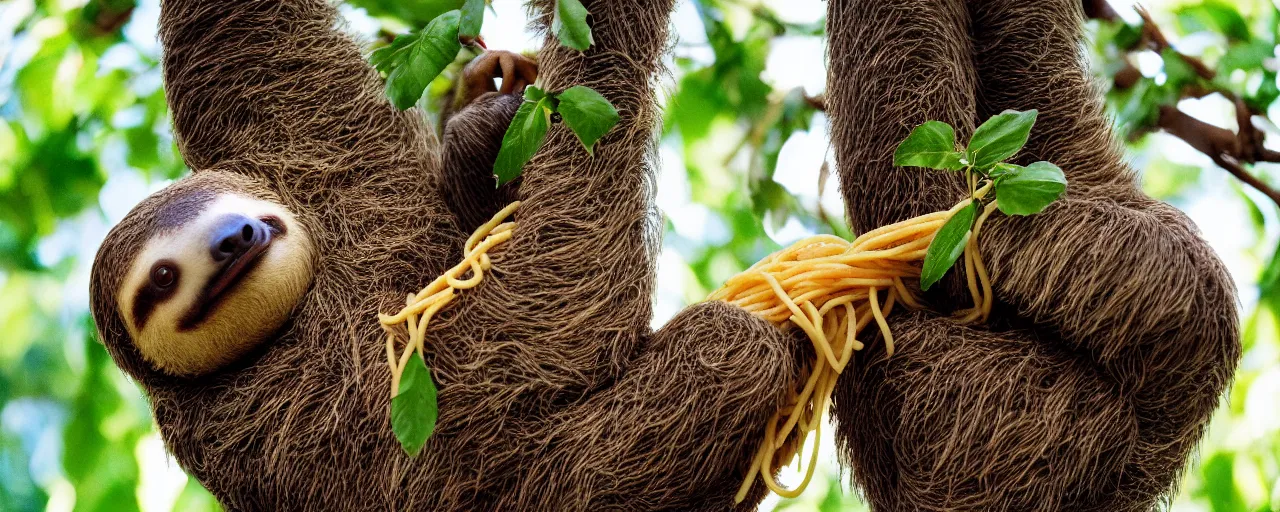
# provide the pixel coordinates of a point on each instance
(84, 132)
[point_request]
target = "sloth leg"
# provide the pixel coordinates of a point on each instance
(1136, 294)
(473, 132)
(1134, 312)
(1126, 281)
(1030, 55)
(966, 419)
(679, 429)
(472, 139)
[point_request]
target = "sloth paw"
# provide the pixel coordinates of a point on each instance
(515, 70)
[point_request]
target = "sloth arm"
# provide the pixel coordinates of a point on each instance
(679, 429)
(570, 301)
(1132, 331)
(1125, 279)
(276, 77)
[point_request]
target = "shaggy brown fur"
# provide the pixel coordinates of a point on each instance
(555, 394)
(1116, 331)
(473, 137)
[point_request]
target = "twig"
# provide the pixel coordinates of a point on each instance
(1240, 173)
(818, 102)
(1228, 150)
(1156, 41)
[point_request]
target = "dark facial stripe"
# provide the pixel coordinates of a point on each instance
(150, 296)
(182, 210)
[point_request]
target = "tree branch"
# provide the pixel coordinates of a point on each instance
(1155, 40)
(818, 102)
(1228, 150)
(1100, 10)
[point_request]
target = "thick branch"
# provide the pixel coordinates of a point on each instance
(1228, 150)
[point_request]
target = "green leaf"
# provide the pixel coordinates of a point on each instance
(1267, 91)
(1000, 137)
(1176, 70)
(410, 12)
(1004, 170)
(415, 59)
(1031, 189)
(1127, 36)
(947, 245)
(524, 137)
(1215, 16)
(570, 25)
(931, 145)
(414, 410)
(1247, 56)
(471, 19)
(534, 93)
(770, 197)
(588, 114)
(1220, 485)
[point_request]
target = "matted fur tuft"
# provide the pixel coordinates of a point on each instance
(554, 392)
(1116, 331)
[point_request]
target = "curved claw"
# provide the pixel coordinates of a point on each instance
(515, 70)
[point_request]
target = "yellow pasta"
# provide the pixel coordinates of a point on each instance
(831, 289)
(420, 307)
(824, 285)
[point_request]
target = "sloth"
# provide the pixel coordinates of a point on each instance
(243, 298)
(1115, 333)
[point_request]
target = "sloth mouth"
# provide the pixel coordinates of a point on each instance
(231, 272)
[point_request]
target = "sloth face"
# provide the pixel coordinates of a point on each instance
(215, 277)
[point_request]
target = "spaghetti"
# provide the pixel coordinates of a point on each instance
(828, 287)
(420, 307)
(831, 289)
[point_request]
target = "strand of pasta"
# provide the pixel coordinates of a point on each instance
(421, 307)
(831, 289)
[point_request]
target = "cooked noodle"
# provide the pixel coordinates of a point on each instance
(831, 289)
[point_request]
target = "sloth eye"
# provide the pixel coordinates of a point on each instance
(163, 276)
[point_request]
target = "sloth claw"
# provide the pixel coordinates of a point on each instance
(515, 70)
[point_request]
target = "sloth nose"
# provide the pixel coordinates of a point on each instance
(235, 235)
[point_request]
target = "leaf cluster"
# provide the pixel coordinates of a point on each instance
(731, 90)
(1015, 189)
(1234, 64)
(588, 114)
